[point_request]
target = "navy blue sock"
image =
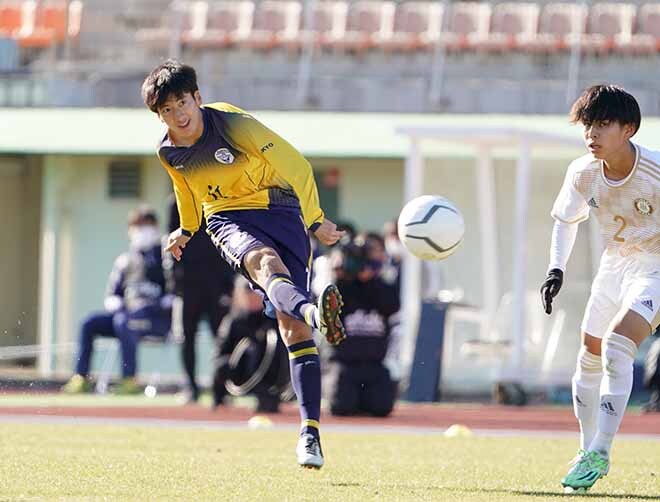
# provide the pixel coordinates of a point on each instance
(306, 380)
(290, 299)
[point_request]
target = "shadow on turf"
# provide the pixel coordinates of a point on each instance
(592, 495)
(516, 492)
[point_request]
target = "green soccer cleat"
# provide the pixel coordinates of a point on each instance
(77, 384)
(127, 387)
(329, 305)
(588, 467)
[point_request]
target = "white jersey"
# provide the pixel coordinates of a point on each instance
(627, 211)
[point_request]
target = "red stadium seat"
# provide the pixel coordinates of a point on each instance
(509, 23)
(367, 22)
(557, 22)
(606, 23)
(467, 20)
(228, 22)
(328, 22)
(646, 40)
(275, 22)
(417, 26)
(192, 17)
(49, 25)
(11, 18)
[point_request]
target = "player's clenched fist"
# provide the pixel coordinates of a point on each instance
(176, 242)
(550, 288)
(327, 233)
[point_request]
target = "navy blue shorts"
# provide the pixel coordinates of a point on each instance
(235, 233)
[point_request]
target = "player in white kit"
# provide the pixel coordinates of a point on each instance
(618, 182)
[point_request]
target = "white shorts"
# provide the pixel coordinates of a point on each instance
(623, 283)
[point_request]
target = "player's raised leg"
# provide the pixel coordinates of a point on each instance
(267, 269)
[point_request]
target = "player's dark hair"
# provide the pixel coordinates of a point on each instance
(142, 215)
(170, 78)
(606, 102)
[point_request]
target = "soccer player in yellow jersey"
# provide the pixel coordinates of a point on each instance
(618, 182)
(260, 201)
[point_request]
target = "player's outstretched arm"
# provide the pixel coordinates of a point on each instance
(176, 242)
(550, 288)
(327, 232)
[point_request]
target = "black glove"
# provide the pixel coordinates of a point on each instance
(550, 288)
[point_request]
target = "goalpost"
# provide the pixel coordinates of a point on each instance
(483, 140)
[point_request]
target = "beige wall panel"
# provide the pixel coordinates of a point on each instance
(370, 192)
(19, 218)
(11, 174)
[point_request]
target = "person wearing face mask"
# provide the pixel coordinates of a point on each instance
(136, 304)
(357, 381)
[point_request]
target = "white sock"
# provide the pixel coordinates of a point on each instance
(618, 358)
(586, 393)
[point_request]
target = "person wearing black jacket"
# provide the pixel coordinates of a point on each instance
(203, 285)
(357, 381)
(250, 356)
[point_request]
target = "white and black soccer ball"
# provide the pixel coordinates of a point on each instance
(431, 227)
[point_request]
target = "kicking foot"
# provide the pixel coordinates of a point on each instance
(330, 304)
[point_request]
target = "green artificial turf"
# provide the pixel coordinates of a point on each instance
(90, 462)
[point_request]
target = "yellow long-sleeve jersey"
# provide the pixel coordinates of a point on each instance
(238, 163)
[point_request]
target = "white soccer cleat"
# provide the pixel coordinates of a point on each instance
(309, 452)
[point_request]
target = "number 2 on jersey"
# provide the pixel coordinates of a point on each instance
(617, 236)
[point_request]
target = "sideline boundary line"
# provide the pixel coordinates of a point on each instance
(235, 425)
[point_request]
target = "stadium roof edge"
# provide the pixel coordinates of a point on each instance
(116, 131)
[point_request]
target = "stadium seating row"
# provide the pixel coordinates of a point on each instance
(417, 25)
(364, 24)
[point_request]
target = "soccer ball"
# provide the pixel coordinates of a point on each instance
(431, 227)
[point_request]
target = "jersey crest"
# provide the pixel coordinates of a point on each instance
(643, 206)
(224, 156)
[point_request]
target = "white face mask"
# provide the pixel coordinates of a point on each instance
(143, 237)
(393, 247)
